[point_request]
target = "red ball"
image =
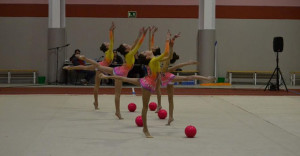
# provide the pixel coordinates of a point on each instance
(132, 107)
(190, 131)
(162, 114)
(139, 121)
(152, 106)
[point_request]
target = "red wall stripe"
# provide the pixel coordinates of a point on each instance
(121, 11)
(151, 11)
(23, 10)
(257, 12)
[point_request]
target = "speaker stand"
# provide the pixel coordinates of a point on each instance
(277, 71)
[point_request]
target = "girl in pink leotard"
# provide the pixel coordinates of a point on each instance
(107, 48)
(120, 70)
(149, 82)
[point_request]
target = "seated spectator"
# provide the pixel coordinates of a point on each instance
(88, 75)
(138, 70)
(117, 61)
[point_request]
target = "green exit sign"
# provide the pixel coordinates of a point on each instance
(132, 14)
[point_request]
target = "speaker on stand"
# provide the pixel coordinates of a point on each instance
(277, 47)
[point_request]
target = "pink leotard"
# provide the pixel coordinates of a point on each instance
(166, 78)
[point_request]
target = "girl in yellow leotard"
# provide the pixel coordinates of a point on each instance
(107, 48)
(120, 70)
(148, 83)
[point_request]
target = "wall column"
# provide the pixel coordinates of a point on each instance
(206, 37)
(56, 39)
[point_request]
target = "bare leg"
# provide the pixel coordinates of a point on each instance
(170, 90)
(103, 69)
(171, 69)
(134, 81)
(146, 96)
(118, 88)
(193, 77)
(80, 67)
(96, 90)
(158, 93)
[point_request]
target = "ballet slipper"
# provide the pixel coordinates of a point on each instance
(169, 121)
(147, 134)
(119, 116)
(96, 106)
(158, 109)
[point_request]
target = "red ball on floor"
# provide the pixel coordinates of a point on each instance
(162, 114)
(132, 107)
(139, 121)
(152, 106)
(190, 131)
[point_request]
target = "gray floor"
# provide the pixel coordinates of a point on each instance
(67, 125)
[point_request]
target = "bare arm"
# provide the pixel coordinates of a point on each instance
(172, 69)
(109, 55)
(138, 38)
(167, 59)
(138, 45)
(152, 31)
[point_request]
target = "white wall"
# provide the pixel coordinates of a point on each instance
(248, 45)
(23, 43)
(87, 34)
(243, 44)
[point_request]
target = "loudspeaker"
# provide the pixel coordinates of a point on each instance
(278, 44)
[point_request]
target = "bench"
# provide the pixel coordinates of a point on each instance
(250, 74)
(10, 74)
(293, 77)
(186, 72)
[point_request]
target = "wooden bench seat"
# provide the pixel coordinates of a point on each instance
(249, 74)
(293, 77)
(10, 74)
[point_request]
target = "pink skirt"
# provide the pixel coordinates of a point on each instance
(104, 63)
(148, 83)
(166, 78)
(121, 71)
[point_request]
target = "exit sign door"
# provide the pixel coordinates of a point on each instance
(132, 14)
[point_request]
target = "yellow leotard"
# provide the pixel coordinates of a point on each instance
(154, 64)
(129, 58)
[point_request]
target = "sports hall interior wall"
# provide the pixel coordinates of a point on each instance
(243, 44)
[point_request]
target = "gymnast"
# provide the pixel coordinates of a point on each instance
(166, 76)
(148, 83)
(107, 48)
(120, 70)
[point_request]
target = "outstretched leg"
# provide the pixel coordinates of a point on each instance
(118, 88)
(193, 77)
(80, 67)
(146, 96)
(170, 90)
(134, 81)
(103, 69)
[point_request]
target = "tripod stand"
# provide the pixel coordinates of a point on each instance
(56, 50)
(277, 71)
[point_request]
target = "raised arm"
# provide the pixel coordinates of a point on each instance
(166, 51)
(109, 55)
(150, 35)
(152, 31)
(170, 57)
(136, 48)
(111, 36)
(138, 38)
